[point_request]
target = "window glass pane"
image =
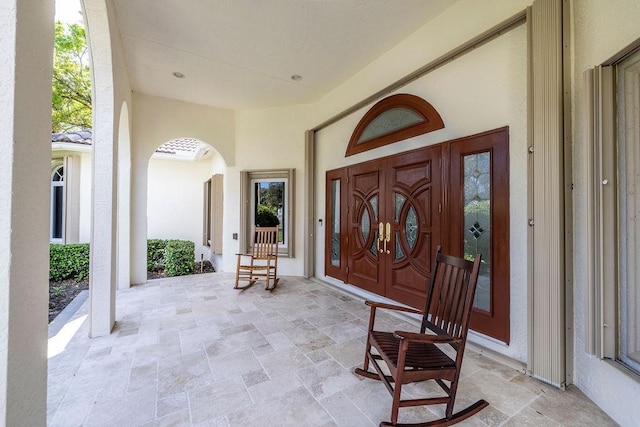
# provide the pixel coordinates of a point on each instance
(411, 227)
(374, 207)
(628, 208)
(365, 224)
(57, 212)
(399, 252)
(399, 203)
(58, 175)
(390, 121)
(269, 197)
(477, 221)
(335, 222)
(374, 245)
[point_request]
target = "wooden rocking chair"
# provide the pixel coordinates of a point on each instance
(412, 357)
(262, 262)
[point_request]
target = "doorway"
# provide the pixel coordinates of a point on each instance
(387, 216)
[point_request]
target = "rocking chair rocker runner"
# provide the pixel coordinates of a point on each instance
(412, 357)
(262, 262)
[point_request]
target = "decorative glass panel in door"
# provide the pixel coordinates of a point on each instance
(334, 222)
(335, 253)
(477, 221)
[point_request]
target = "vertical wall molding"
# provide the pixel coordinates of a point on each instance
(547, 320)
(309, 204)
(72, 199)
(216, 209)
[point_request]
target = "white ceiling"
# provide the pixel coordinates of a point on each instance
(240, 54)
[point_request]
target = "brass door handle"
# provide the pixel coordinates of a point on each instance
(387, 238)
(380, 234)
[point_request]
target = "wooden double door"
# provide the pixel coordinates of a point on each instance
(394, 224)
(387, 216)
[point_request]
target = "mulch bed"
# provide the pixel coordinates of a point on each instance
(61, 293)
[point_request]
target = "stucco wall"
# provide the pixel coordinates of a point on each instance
(267, 139)
(85, 197)
(456, 25)
(175, 201)
(482, 90)
(158, 120)
(600, 30)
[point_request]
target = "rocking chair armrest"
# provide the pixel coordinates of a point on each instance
(374, 304)
(426, 338)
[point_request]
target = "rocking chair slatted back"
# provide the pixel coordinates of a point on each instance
(449, 298)
(266, 242)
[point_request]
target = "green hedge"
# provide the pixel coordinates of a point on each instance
(179, 258)
(155, 253)
(266, 216)
(69, 261)
(72, 261)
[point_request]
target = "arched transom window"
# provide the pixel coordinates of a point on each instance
(393, 119)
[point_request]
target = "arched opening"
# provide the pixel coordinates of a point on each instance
(182, 175)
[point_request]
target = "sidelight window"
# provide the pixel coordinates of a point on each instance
(477, 221)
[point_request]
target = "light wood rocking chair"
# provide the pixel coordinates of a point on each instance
(262, 262)
(411, 357)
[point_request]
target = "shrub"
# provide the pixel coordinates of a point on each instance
(266, 217)
(179, 258)
(69, 261)
(155, 253)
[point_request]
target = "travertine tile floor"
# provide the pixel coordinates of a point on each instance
(194, 351)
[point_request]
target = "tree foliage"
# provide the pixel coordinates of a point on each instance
(272, 194)
(71, 102)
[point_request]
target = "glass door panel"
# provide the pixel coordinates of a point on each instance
(477, 221)
(334, 222)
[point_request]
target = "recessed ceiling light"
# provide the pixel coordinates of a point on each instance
(178, 74)
(296, 77)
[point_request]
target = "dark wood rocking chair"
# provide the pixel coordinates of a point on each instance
(262, 262)
(411, 356)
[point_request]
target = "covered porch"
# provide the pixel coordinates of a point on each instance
(194, 351)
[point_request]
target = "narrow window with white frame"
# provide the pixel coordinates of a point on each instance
(57, 205)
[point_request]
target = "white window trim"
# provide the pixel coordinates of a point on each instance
(55, 167)
(284, 181)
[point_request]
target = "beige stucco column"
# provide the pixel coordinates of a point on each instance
(26, 50)
(102, 288)
(139, 164)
